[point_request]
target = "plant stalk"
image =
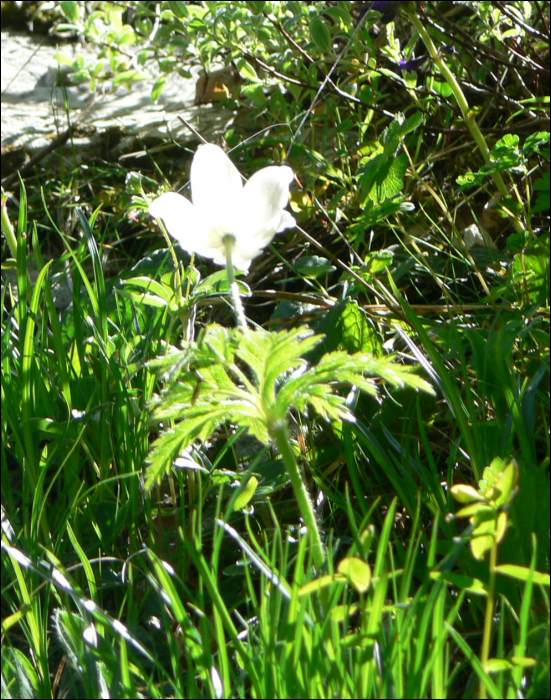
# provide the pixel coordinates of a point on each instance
(229, 242)
(489, 616)
(280, 434)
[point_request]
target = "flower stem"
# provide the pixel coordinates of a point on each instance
(280, 433)
(234, 289)
(489, 616)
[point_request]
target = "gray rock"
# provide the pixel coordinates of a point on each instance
(34, 106)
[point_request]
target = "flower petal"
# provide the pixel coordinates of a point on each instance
(243, 263)
(216, 187)
(179, 216)
(262, 213)
(184, 223)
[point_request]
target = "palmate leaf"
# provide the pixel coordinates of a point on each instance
(198, 422)
(272, 355)
(253, 378)
(341, 368)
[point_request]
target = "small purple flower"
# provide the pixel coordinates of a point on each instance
(412, 64)
(388, 9)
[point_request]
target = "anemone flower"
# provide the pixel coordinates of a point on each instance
(226, 217)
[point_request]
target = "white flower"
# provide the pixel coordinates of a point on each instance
(222, 206)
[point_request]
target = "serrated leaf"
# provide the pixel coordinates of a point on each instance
(397, 129)
(358, 333)
(491, 473)
(171, 443)
(209, 386)
(381, 178)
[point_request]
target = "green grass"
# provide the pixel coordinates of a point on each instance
(145, 555)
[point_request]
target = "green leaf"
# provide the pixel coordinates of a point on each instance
(474, 585)
(129, 77)
(395, 132)
(497, 665)
(320, 35)
(504, 487)
(147, 299)
(465, 494)
(358, 572)
(522, 573)
(358, 333)
(505, 153)
(347, 327)
(542, 185)
(216, 284)
(246, 70)
(482, 511)
(180, 8)
(208, 386)
(487, 533)
(318, 584)
(313, 266)
(246, 494)
(523, 661)
(256, 7)
(71, 10)
(196, 424)
(531, 270)
(491, 473)
(381, 178)
(341, 612)
(535, 142)
(158, 88)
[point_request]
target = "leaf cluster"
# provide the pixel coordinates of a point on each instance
(487, 506)
(254, 378)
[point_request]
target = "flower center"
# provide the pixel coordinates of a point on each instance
(228, 241)
(228, 238)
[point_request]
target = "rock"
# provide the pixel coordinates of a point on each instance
(34, 105)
